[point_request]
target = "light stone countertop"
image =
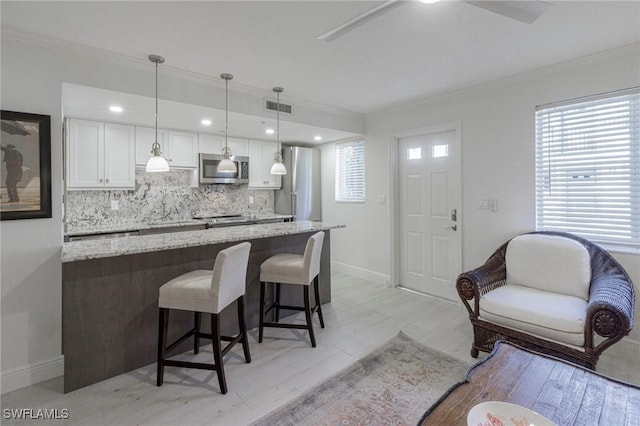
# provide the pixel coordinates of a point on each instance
(74, 230)
(112, 247)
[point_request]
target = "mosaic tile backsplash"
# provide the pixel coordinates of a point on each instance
(164, 196)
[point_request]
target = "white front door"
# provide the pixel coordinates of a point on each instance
(429, 184)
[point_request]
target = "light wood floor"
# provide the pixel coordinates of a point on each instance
(362, 316)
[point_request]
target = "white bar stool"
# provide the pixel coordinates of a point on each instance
(293, 269)
(206, 291)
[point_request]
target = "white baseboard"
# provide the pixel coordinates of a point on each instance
(31, 374)
(361, 273)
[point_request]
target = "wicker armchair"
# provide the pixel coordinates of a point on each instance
(609, 308)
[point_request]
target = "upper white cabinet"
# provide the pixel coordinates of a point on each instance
(212, 144)
(179, 148)
(145, 137)
(260, 160)
(209, 144)
(238, 146)
(182, 150)
(100, 155)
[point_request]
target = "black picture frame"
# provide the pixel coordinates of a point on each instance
(25, 190)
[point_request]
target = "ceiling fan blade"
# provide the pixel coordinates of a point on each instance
(355, 22)
(526, 11)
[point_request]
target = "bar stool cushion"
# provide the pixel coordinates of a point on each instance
(200, 290)
(294, 268)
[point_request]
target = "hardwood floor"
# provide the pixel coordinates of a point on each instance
(362, 316)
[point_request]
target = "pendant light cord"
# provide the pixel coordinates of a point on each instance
(156, 144)
(226, 113)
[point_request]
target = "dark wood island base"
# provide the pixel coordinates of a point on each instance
(110, 304)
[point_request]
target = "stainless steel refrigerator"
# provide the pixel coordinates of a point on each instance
(300, 194)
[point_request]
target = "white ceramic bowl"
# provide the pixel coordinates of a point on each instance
(496, 413)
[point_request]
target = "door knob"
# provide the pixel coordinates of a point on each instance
(453, 228)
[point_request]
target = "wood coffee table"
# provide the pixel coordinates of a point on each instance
(563, 392)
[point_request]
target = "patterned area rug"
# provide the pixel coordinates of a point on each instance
(393, 385)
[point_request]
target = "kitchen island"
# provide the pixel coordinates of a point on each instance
(110, 291)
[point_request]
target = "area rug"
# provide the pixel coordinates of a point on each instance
(393, 385)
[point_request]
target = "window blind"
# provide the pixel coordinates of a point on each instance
(350, 184)
(588, 168)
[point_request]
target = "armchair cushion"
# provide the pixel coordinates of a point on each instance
(555, 316)
(549, 263)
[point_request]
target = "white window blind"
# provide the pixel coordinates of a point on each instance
(588, 168)
(350, 185)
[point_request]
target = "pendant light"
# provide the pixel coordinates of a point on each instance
(226, 165)
(278, 167)
(157, 163)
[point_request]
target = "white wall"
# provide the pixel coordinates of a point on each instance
(497, 159)
(32, 74)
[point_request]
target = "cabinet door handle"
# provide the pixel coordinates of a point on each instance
(100, 180)
(107, 180)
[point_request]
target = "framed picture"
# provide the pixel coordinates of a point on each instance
(25, 168)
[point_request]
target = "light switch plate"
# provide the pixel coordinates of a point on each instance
(493, 204)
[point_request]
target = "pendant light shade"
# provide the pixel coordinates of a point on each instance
(278, 167)
(226, 165)
(156, 163)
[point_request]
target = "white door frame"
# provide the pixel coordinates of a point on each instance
(394, 194)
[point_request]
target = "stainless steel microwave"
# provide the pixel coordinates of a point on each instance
(209, 173)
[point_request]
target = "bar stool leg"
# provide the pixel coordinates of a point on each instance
(243, 330)
(261, 319)
(196, 336)
(277, 297)
(163, 326)
(217, 352)
(307, 312)
(316, 281)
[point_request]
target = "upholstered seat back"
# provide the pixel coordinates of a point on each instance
(229, 277)
(549, 263)
(312, 253)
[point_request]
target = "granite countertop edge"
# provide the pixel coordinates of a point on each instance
(79, 230)
(112, 247)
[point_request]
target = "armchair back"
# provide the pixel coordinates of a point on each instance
(549, 263)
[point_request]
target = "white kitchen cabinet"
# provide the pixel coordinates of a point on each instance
(238, 146)
(179, 148)
(260, 160)
(145, 137)
(182, 150)
(99, 155)
(212, 144)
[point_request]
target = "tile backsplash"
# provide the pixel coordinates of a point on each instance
(163, 196)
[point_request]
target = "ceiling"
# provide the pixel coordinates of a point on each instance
(412, 52)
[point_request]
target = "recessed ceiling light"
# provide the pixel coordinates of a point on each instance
(115, 108)
(317, 138)
(269, 131)
(206, 122)
(429, 1)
